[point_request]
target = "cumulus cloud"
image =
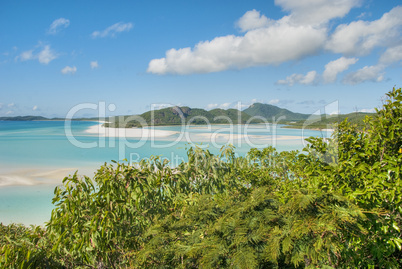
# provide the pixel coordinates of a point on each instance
(240, 106)
(35, 108)
(333, 68)
(94, 64)
(273, 101)
(161, 106)
(275, 44)
(372, 73)
(265, 42)
(303, 32)
(58, 25)
(211, 106)
(367, 110)
(308, 79)
(112, 30)
(361, 37)
(315, 12)
(225, 105)
(26, 55)
(252, 20)
(44, 54)
(236, 105)
(391, 55)
(69, 70)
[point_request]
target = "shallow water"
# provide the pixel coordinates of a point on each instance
(35, 156)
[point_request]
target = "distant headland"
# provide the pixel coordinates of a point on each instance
(254, 114)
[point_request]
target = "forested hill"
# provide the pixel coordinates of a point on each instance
(179, 115)
(40, 118)
(328, 121)
(274, 113)
(23, 118)
(256, 113)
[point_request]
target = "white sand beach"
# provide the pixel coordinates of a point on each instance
(128, 132)
(216, 134)
(40, 175)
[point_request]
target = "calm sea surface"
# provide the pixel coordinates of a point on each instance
(35, 156)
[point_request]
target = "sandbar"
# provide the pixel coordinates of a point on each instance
(129, 132)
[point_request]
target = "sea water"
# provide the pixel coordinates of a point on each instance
(36, 155)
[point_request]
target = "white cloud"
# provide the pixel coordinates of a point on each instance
(57, 25)
(236, 105)
(112, 30)
(26, 55)
(225, 105)
(11, 105)
(361, 37)
(266, 42)
(367, 110)
(240, 106)
(69, 70)
(315, 12)
(252, 20)
(161, 106)
(392, 55)
(44, 56)
(333, 68)
(362, 15)
(304, 32)
(308, 79)
(211, 106)
(275, 44)
(368, 73)
(273, 101)
(35, 108)
(94, 64)
(9, 112)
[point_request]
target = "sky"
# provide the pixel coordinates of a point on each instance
(90, 58)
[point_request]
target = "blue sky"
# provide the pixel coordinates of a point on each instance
(296, 54)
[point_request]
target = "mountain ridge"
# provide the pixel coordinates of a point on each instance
(179, 115)
(255, 113)
(275, 113)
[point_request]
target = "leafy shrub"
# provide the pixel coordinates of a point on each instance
(337, 204)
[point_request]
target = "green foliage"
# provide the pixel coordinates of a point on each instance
(23, 118)
(256, 113)
(40, 118)
(273, 113)
(332, 121)
(181, 115)
(337, 204)
(25, 247)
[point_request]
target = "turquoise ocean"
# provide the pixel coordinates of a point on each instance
(35, 156)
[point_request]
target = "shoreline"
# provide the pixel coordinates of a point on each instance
(214, 134)
(128, 132)
(23, 175)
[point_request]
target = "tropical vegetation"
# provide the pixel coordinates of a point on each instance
(181, 115)
(336, 204)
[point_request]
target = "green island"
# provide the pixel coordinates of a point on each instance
(336, 204)
(40, 118)
(256, 113)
